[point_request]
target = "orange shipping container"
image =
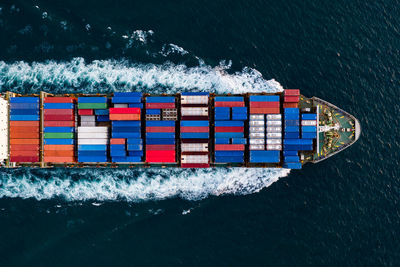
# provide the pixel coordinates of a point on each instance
(27, 153)
(59, 159)
(264, 111)
(290, 105)
(23, 129)
(24, 147)
(17, 135)
(59, 147)
(24, 141)
(24, 123)
(124, 117)
(58, 153)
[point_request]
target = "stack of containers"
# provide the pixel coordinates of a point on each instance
(265, 129)
(292, 139)
(92, 139)
(230, 114)
(24, 129)
(194, 130)
(291, 98)
(309, 125)
(59, 129)
(126, 145)
(160, 134)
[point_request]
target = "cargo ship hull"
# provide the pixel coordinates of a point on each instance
(187, 130)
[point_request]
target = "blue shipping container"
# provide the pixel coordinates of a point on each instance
(239, 141)
(134, 141)
(125, 135)
(239, 117)
(160, 135)
(229, 160)
(264, 153)
(125, 123)
(291, 110)
(126, 159)
(291, 116)
(264, 98)
(195, 135)
(229, 135)
(117, 147)
(135, 153)
(126, 129)
(160, 99)
(240, 110)
(153, 111)
(229, 99)
(292, 159)
(59, 129)
(92, 159)
(95, 153)
(222, 117)
(92, 99)
(135, 105)
(229, 153)
(166, 141)
(24, 111)
(135, 147)
(194, 123)
(24, 99)
(92, 147)
(229, 123)
(309, 129)
(126, 100)
(290, 153)
(103, 118)
(101, 111)
(24, 117)
(309, 116)
(222, 141)
(59, 141)
(58, 105)
(24, 106)
(292, 122)
(295, 166)
(309, 135)
(195, 93)
(293, 129)
(257, 159)
(117, 153)
(160, 123)
(294, 135)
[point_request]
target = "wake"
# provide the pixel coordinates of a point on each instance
(104, 76)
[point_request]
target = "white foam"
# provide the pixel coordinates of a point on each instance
(139, 185)
(112, 75)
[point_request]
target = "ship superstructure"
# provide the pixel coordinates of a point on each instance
(187, 130)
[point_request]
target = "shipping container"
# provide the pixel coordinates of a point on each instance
(92, 159)
(58, 153)
(274, 141)
(162, 141)
(264, 98)
(24, 141)
(196, 123)
(91, 99)
(59, 129)
(256, 147)
(24, 117)
(229, 124)
(121, 105)
(256, 123)
(194, 159)
(22, 129)
(135, 141)
(59, 147)
(257, 117)
(85, 112)
(125, 135)
(229, 99)
(274, 117)
(24, 106)
(92, 105)
(239, 141)
(24, 99)
(160, 129)
(274, 123)
(228, 135)
(229, 153)
(229, 104)
(290, 165)
(194, 111)
(92, 141)
(24, 124)
(128, 94)
(24, 147)
(192, 129)
(24, 135)
(256, 135)
(159, 105)
(24, 159)
(58, 141)
(229, 147)
(58, 135)
(126, 123)
(264, 110)
(291, 99)
(160, 99)
(58, 112)
(274, 129)
(222, 140)
(292, 92)
(101, 111)
(290, 105)
(117, 141)
(58, 105)
(160, 147)
(127, 100)
(257, 141)
(291, 110)
(264, 105)
(153, 111)
(92, 135)
(197, 147)
(123, 117)
(58, 100)
(124, 110)
(195, 135)
(274, 135)
(309, 123)
(59, 159)
(229, 129)
(311, 135)
(24, 111)
(274, 147)
(59, 123)
(308, 129)
(59, 117)
(256, 129)
(195, 99)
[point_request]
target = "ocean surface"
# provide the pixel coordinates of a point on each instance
(344, 211)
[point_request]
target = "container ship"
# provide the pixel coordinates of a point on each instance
(186, 130)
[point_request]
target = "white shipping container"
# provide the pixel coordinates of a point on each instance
(274, 135)
(194, 111)
(274, 123)
(257, 117)
(309, 123)
(274, 129)
(256, 147)
(274, 117)
(254, 141)
(256, 129)
(194, 99)
(92, 135)
(121, 105)
(194, 158)
(256, 123)
(88, 118)
(88, 123)
(92, 141)
(185, 147)
(274, 141)
(99, 129)
(256, 135)
(274, 147)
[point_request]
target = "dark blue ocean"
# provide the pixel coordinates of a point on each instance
(344, 211)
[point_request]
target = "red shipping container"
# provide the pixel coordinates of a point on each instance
(58, 100)
(24, 159)
(264, 111)
(124, 117)
(58, 111)
(160, 153)
(290, 105)
(160, 129)
(264, 104)
(24, 141)
(24, 147)
(22, 129)
(228, 104)
(25, 153)
(124, 110)
(16, 135)
(160, 105)
(160, 160)
(160, 147)
(195, 129)
(292, 99)
(59, 123)
(58, 117)
(117, 141)
(229, 147)
(85, 112)
(195, 165)
(293, 92)
(231, 129)
(25, 123)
